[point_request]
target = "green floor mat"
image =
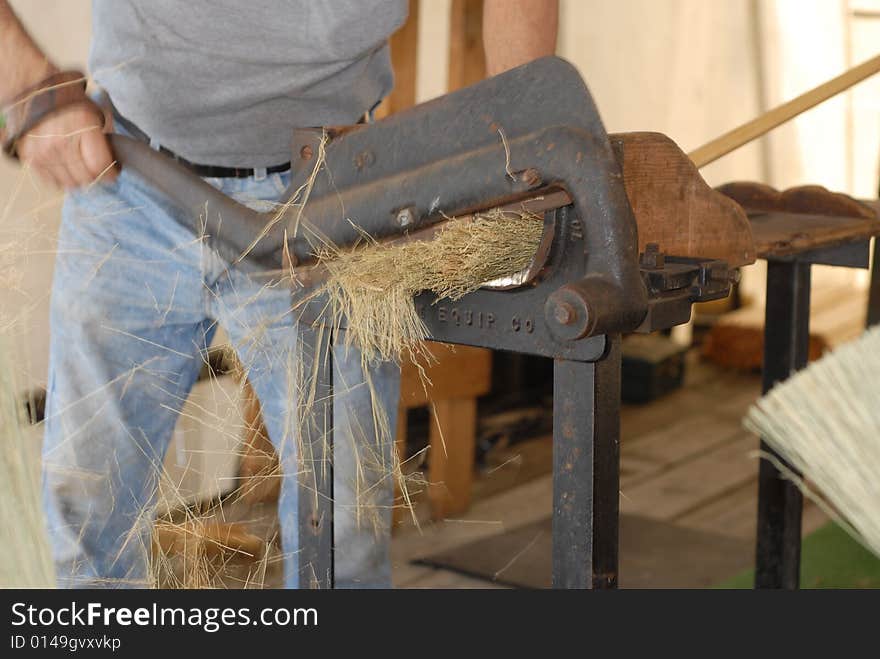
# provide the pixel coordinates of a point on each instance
(830, 558)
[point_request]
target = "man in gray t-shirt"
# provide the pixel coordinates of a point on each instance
(136, 298)
(269, 66)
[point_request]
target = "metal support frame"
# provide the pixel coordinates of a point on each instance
(314, 416)
(586, 467)
(586, 471)
(873, 317)
(587, 372)
(786, 349)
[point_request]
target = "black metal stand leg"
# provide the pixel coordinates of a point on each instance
(315, 421)
(586, 471)
(786, 349)
(606, 469)
(874, 291)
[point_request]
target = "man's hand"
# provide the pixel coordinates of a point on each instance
(68, 148)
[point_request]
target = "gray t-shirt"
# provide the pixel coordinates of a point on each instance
(223, 82)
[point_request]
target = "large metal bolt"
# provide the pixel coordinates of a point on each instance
(364, 159)
(652, 258)
(564, 313)
(531, 177)
(568, 313)
(405, 217)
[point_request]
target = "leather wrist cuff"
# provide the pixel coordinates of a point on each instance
(33, 105)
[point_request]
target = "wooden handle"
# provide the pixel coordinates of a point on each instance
(772, 118)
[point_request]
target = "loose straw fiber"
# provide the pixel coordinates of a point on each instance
(25, 560)
(825, 420)
(372, 286)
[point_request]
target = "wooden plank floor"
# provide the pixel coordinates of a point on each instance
(685, 459)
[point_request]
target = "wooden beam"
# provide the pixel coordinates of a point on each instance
(451, 372)
(452, 438)
(456, 377)
(404, 51)
(674, 207)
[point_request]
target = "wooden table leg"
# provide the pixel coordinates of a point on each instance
(400, 511)
(452, 438)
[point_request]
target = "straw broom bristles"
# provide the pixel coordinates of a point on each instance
(27, 561)
(825, 421)
(371, 287)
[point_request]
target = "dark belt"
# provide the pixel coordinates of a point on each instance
(208, 171)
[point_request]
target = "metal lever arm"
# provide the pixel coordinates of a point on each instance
(229, 225)
(495, 142)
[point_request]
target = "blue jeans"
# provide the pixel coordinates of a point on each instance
(135, 302)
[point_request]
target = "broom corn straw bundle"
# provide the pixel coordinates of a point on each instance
(370, 288)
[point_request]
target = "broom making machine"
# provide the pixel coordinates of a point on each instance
(632, 238)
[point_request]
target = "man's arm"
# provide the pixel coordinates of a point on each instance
(518, 31)
(67, 148)
(22, 64)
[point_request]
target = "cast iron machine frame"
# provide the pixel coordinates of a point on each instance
(530, 138)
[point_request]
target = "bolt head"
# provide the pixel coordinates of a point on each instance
(306, 152)
(405, 217)
(568, 314)
(652, 258)
(531, 177)
(564, 313)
